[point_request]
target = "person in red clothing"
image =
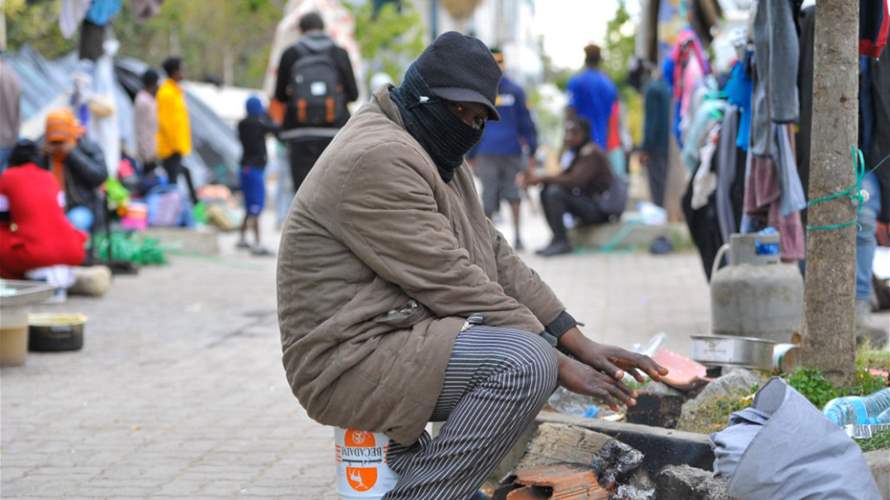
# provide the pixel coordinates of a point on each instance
(34, 231)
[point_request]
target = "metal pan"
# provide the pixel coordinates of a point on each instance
(720, 350)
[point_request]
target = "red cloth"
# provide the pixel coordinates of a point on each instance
(42, 236)
(762, 199)
(613, 140)
(874, 27)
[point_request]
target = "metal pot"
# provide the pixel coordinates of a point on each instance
(747, 352)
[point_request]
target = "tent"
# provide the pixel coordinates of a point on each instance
(47, 85)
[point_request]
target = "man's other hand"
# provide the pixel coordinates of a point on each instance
(582, 379)
(611, 360)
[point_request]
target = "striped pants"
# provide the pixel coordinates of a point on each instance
(497, 380)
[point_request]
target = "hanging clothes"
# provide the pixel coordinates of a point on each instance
(704, 184)
(730, 185)
(704, 227)
(709, 113)
(738, 91)
(101, 12)
(71, 14)
(684, 70)
(763, 195)
(793, 199)
(776, 58)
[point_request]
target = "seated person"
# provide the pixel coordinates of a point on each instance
(78, 166)
(34, 231)
(586, 189)
(400, 303)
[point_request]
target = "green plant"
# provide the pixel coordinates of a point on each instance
(867, 358)
(816, 388)
(389, 37)
(813, 386)
(879, 441)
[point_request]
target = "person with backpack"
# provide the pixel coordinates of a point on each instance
(314, 84)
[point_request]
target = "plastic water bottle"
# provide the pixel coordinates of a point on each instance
(861, 410)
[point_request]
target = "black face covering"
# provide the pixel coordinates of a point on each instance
(441, 133)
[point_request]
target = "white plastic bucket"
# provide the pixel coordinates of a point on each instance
(362, 471)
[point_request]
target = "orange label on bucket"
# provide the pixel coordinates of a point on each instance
(361, 478)
(359, 439)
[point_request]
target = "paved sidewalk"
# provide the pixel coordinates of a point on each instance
(179, 391)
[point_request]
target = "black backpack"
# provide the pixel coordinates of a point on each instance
(315, 89)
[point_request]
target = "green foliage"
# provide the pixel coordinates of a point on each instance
(816, 388)
(879, 441)
(813, 386)
(36, 25)
(389, 38)
(227, 39)
(619, 47)
(873, 359)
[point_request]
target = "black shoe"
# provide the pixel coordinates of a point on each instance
(661, 246)
(556, 248)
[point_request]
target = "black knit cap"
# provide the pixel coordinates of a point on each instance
(460, 68)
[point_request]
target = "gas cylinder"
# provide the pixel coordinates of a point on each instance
(756, 295)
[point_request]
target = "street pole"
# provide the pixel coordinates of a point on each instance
(829, 337)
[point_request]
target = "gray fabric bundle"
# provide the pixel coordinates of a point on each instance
(784, 448)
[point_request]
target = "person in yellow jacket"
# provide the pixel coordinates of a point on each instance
(174, 137)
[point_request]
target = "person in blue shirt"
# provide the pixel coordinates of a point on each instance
(592, 94)
(497, 158)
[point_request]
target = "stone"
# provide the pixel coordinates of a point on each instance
(554, 444)
(734, 385)
(659, 446)
(879, 463)
(658, 405)
(690, 483)
(615, 462)
(93, 281)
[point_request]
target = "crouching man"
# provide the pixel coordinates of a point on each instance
(399, 303)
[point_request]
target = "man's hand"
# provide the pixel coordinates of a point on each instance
(582, 379)
(611, 360)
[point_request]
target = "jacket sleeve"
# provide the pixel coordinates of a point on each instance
(388, 219)
(269, 126)
(87, 163)
(580, 175)
(523, 283)
(172, 125)
(347, 77)
(527, 129)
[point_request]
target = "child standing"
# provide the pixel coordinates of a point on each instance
(252, 132)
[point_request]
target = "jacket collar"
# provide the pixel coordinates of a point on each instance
(387, 107)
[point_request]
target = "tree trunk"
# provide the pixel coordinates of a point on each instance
(829, 340)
